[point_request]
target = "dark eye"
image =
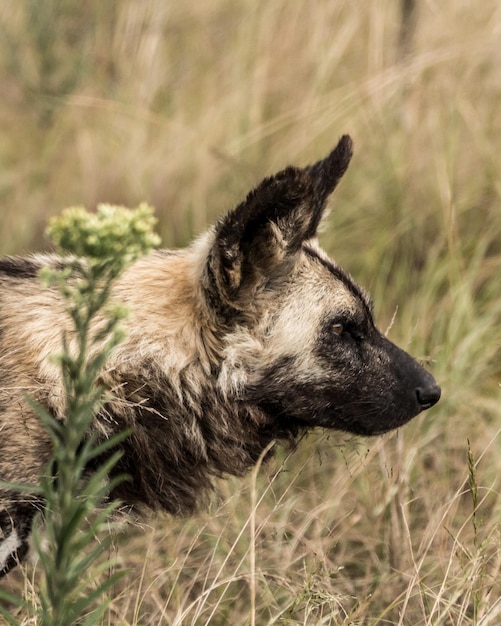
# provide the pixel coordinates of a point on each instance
(347, 329)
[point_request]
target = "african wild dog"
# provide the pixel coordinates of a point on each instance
(250, 335)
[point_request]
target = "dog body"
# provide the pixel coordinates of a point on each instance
(250, 335)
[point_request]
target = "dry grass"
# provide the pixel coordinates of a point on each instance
(185, 106)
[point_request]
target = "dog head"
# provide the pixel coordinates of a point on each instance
(301, 340)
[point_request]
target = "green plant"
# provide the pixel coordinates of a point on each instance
(77, 508)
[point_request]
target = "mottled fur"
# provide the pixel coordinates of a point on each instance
(250, 335)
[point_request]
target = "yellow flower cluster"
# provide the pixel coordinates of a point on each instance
(113, 234)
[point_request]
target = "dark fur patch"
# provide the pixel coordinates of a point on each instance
(19, 268)
(18, 518)
(175, 451)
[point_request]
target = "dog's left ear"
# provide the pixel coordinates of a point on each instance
(271, 224)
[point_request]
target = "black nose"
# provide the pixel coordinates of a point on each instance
(428, 396)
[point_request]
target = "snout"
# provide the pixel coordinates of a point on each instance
(413, 389)
(428, 395)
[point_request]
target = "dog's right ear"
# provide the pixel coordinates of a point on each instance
(269, 227)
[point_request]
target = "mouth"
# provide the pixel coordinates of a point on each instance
(376, 424)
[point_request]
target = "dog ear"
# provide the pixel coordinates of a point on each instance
(327, 173)
(271, 224)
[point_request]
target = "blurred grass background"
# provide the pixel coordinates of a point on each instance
(186, 106)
